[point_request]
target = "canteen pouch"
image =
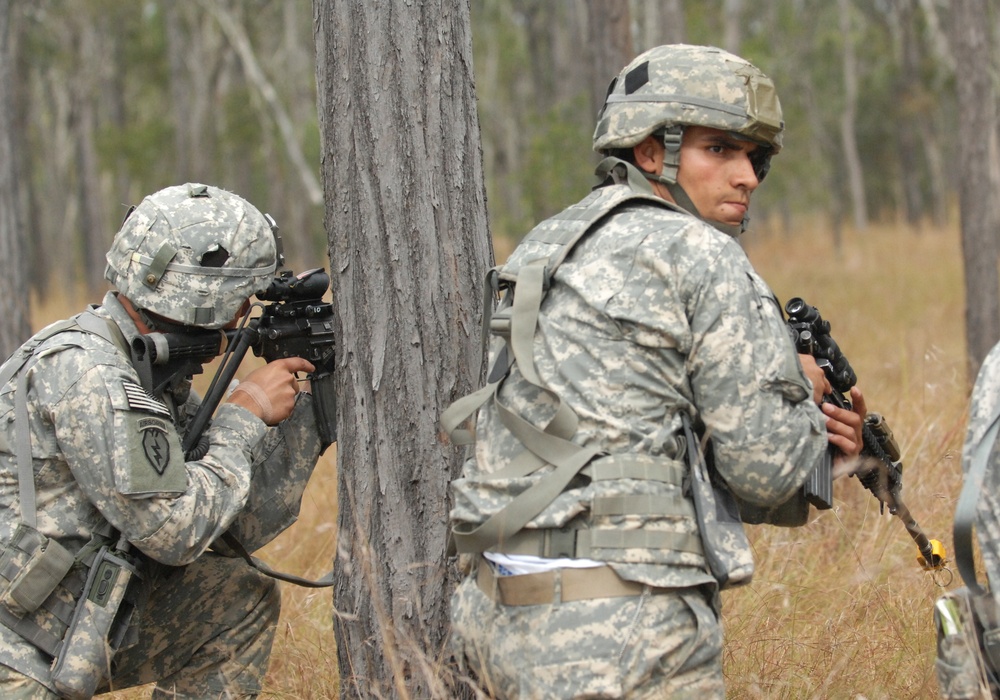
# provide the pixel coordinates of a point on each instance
(968, 645)
(31, 567)
(727, 549)
(98, 626)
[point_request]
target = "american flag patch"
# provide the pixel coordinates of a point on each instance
(139, 400)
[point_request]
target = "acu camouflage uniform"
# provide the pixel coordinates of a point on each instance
(967, 619)
(105, 454)
(653, 316)
(984, 409)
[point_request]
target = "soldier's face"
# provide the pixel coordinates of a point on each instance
(716, 173)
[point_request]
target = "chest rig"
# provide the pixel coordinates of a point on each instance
(548, 453)
(42, 584)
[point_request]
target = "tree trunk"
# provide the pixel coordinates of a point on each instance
(609, 34)
(978, 176)
(93, 219)
(408, 241)
(909, 94)
(15, 325)
(732, 23)
(848, 133)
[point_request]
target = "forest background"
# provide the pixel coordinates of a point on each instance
(113, 100)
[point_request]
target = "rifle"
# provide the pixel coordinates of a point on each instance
(882, 472)
(297, 323)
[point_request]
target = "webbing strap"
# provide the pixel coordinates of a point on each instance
(504, 523)
(461, 410)
(637, 466)
(41, 638)
(550, 445)
(646, 539)
(523, 323)
(965, 510)
(86, 321)
(25, 474)
(642, 504)
(580, 543)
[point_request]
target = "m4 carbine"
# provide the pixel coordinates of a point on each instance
(296, 323)
(880, 470)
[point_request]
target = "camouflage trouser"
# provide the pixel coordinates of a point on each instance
(661, 645)
(206, 632)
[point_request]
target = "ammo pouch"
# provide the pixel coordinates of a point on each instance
(31, 567)
(727, 549)
(98, 626)
(968, 645)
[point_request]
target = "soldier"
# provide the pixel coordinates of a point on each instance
(634, 331)
(94, 484)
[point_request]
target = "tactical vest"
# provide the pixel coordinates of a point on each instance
(529, 273)
(35, 568)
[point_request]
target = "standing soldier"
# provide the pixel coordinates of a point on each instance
(634, 337)
(110, 534)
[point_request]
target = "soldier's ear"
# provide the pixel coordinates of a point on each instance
(648, 155)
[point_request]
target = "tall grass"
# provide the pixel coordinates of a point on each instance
(838, 608)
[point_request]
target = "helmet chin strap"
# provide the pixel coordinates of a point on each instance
(682, 200)
(672, 137)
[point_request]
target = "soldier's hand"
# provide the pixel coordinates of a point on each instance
(815, 373)
(844, 426)
(269, 391)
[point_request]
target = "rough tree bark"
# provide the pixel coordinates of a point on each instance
(406, 221)
(15, 324)
(978, 176)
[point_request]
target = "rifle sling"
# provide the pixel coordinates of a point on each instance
(237, 546)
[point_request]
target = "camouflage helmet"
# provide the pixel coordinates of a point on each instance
(677, 85)
(192, 254)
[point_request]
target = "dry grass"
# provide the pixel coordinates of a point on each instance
(839, 608)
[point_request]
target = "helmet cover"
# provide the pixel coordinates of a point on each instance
(680, 84)
(192, 254)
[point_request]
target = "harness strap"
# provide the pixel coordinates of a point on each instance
(550, 445)
(86, 321)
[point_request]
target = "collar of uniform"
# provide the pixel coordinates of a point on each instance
(113, 308)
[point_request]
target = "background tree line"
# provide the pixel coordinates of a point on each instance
(112, 100)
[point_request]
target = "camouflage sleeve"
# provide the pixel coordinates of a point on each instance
(747, 382)
(281, 469)
(125, 455)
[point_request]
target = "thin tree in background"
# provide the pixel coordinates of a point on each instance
(406, 220)
(978, 175)
(15, 325)
(848, 128)
(609, 38)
